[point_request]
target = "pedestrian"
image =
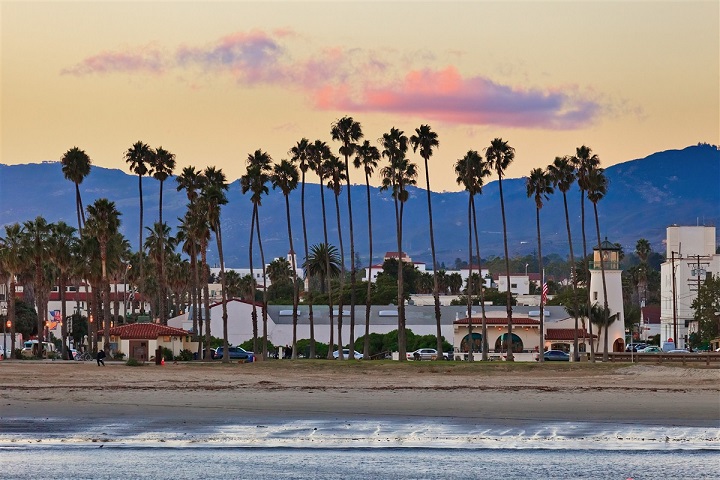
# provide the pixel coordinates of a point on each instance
(100, 357)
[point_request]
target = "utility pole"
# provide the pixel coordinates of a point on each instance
(674, 296)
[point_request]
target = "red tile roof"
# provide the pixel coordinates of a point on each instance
(566, 334)
(651, 314)
(145, 331)
(498, 321)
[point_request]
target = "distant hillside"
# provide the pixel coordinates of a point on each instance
(644, 197)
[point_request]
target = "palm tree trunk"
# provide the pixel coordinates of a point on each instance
(295, 287)
(253, 315)
(141, 279)
(470, 342)
(327, 270)
(587, 273)
(311, 319)
(342, 284)
(576, 354)
(485, 346)
(79, 208)
(510, 356)
(541, 357)
(223, 292)
(206, 294)
(436, 291)
(606, 311)
(11, 312)
(265, 301)
(368, 299)
(63, 315)
(402, 334)
(106, 316)
(353, 277)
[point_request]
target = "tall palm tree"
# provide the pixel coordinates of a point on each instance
(471, 171)
(425, 139)
(584, 161)
(12, 258)
(285, 177)
(539, 186)
(336, 175)
(258, 167)
(62, 245)
(367, 158)
(75, 167)
(597, 185)
(139, 156)
(643, 250)
(499, 156)
(299, 154)
(102, 224)
(398, 175)
(163, 164)
(318, 154)
(348, 132)
(562, 174)
(214, 195)
(36, 236)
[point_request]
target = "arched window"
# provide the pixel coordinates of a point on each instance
(517, 344)
(476, 343)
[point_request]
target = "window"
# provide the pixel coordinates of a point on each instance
(595, 296)
(513, 285)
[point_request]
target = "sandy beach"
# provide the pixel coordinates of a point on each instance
(510, 394)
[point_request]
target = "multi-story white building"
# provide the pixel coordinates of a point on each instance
(613, 285)
(690, 258)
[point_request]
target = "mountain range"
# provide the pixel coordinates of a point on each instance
(644, 197)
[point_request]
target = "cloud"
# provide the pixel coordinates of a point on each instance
(138, 60)
(447, 96)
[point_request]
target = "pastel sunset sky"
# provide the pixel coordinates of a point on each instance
(213, 82)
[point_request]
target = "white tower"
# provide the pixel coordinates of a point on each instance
(613, 283)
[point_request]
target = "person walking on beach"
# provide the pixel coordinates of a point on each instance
(100, 357)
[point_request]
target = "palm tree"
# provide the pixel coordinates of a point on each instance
(12, 258)
(398, 175)
(163, 164)
(62, 245)
(597, 184)
(367, 158)
(643, 250)
(562, 174)
(336, 175)
(318, 153)
(102, 224)
(300, 155)
(471, 171)
(285, 177)
(139, 156)
(214, 195)
(36, 245)
(259, 166)
(323, 262)
(584, 161)
(280, 271)
(75, 167)
(539, 186)
(425, 139)
(349, 132)
(499, 156)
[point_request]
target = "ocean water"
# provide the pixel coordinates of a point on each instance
(365, 449)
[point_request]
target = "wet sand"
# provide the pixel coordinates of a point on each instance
(492, 393)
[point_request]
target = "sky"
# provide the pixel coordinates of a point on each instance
(214, 81)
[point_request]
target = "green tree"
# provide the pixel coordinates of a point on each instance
(62, 245)
(323, 262)
(75, 167)
(707, 308)
(426, 140)
(596, 190)
(163, 164)
(539, 187)
(12, 259)
(348, 132)
(336, 176)
(499, 156)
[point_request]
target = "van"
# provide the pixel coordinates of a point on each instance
(667, 346)
(28, 347)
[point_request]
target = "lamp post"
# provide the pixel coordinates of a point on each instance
(125, 292)
(3, 313)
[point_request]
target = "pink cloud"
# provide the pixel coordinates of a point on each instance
(446, 95)
(140, 60)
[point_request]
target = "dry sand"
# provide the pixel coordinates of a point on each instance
(495, 393)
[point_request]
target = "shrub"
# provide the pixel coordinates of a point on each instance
(133, 362)
(167, 354)
(185, 356)
(118, 356)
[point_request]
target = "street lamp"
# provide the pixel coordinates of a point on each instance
(3, 313)
(129, 266)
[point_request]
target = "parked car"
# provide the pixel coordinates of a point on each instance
(346, 354)
(679, 350)
(634, 347)
(427, 354)
(234, 353)
(650, 349)
(556, 356)
(2, 352)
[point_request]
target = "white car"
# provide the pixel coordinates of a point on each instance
(426, 354)
(346, 354)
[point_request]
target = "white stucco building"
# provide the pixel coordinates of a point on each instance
(613, 286)
(690, 257)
